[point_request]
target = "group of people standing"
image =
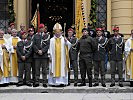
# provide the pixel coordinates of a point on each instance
(26, 52)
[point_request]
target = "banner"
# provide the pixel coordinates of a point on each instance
(79, 21)
(36, 19)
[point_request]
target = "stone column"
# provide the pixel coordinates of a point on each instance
(109, 15)
(21, 13)
(122, 15)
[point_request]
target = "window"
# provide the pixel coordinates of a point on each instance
(3, 14)
(101, 12)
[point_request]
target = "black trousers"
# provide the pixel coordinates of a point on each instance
(99, 67)
(41, 63)
(119, 66)
(74, 64)
(24, 68)
(85, 66)
(33, 69)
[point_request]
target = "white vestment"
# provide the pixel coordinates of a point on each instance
(11, 51)
(128, 59)
(3, 79)
(63, 78)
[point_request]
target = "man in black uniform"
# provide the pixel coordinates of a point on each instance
(92, 32)
(86, 46)
(116, 48)
(30, 37)
(24, 50)
(73, 54)
(41, 45)
(106, 34)
(99, 57)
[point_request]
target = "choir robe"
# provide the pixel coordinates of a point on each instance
(12, 41)
(129, 60)
(4, 62)
(59, 61)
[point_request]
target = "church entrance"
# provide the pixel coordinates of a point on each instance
(52, 11)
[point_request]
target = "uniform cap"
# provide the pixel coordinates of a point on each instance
(30, 29)
(41, 26)
(24, 32)
(70, 29)
(12, 24)
(98, 29)
(116, 29)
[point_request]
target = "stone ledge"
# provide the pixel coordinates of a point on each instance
(68, 89)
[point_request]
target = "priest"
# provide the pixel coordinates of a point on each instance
(59, 58)
(4, 60)
(129, 59)
(12, 42)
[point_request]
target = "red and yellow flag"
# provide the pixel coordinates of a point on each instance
(36, 19)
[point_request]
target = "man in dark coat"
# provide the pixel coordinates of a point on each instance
(24, 50)
(41, 42)
(73, 54)
(86, 46)
(99, 57)
(116, 48)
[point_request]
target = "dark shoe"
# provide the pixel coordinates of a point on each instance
(90, 84)
(75, 84)
(131, 83)
(96, 84)
(61, 85)
(112, 85)
(68, 84)
(35, 85)
(20, 84)
(103, 85)
(29, 84)
(121, 85)
(82, 84)
(45, 85)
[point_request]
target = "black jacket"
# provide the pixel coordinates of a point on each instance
(24, 49)
(116, 48)
(99, 54)
(41, 42)
(86, 46)
(73, 54)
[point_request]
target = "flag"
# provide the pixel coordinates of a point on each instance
(36, 19)
(79, 22)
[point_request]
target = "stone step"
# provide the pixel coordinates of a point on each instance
(68, 89)
(108, 78)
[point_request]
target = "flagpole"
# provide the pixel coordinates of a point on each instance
(38, 15)
(64, 29)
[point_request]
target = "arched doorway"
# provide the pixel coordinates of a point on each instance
(52, 11)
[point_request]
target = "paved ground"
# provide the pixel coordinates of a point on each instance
(67, 96)
(67, 93)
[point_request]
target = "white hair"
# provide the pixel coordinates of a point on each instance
(14, 30)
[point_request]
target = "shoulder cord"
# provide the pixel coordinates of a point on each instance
(43, 41)
(26, 47)
(119, 45)
(73, 46)
(103, 44)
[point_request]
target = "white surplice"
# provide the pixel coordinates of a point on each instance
(127, 59)
(11, 51)
(63, 79)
